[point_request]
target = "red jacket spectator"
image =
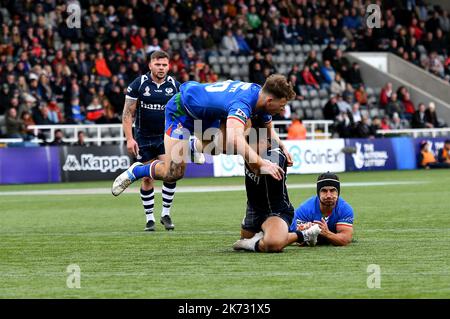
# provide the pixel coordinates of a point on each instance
(101, 66)
(308, 77)
(385, 94)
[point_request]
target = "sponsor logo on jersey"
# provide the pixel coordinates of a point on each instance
(147, 91)
(90, 162)
(156, 107)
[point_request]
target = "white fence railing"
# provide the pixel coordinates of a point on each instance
(417, 132)
(311, 128)
(102, 133)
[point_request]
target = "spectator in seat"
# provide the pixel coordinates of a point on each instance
(408, 106)
(394, 106)
(338, 85)
(229, 44)
(431, 116)
(58, 140)
(296, 130)
(354, 76)
(331, 109)
(309, 79)
(81, 139)
(327, 71)
(14, 125)
(418, 120)
(361, 95)
(385, 94)
(95, 112)
(101, 67)
(397, 123)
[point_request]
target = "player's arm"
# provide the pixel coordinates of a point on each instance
(235, 139)
(342, 237)
(273, 136)
(129, 111)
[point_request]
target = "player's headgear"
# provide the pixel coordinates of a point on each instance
(328, 179)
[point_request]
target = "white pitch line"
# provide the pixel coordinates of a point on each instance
(192, 189)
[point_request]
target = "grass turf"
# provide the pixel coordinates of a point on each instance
(402, 228)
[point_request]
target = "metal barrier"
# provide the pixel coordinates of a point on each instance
(417, 132)
(101, 133)
(311, 126)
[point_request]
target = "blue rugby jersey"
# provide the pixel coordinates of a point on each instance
(309, 211)
(151, 102)
(221, 100)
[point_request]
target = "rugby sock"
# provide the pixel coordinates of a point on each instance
(257, 246)
(300, 236)
(148, 201)
(141, 171)
(152, 166)
(168, 192)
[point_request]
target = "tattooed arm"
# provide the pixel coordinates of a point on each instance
(129, 110)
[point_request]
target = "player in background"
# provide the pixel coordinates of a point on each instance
(145, 104)
(265, 227)
(225, 105)
(332, 213)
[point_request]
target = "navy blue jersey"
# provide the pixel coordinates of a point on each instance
(221, 100)
(151, 102)
(265, 194)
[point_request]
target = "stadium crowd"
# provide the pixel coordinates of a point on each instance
(51, 73)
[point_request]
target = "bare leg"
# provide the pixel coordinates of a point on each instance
(276, 235)
(173, 167)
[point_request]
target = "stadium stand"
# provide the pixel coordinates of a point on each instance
(56, 73)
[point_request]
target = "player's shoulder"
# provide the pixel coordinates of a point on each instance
(344, 207)
(308, 204)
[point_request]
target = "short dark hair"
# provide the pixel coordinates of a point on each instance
(278, 86)
(159, 55)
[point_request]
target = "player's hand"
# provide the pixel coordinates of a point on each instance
(323, 226)
(132, 147)
(272, 169)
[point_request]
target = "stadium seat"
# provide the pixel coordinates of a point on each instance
(243, 69)
(323, 102)
(297, 48)
(232, 59)
(213, 59)
(279, 48)
(216, 68)
(296, 104)
(312, 94)
(323, 93)
(305, 104)
(299, 59)
(181, 36)
(365, 113)
(316, 48)
(68, 132)
(308, 113)
(288, 48)
(374, 112)
(306, 48)
(315, 103)
(222, 60)
(234, 71)
(318, 114)
(241, 60)
(172, 36)
(300, 113)
(225, 68)
(370, 91)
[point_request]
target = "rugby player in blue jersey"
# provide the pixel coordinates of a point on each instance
(328, 210)
(217, 114)
(145, 104)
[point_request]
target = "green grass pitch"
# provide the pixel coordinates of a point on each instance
(403, 228)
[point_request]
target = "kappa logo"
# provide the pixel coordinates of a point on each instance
(147, 91)
(89, 162)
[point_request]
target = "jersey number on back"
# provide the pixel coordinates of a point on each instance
(223, 86)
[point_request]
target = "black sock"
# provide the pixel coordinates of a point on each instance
(300, 238)
(257, 246)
